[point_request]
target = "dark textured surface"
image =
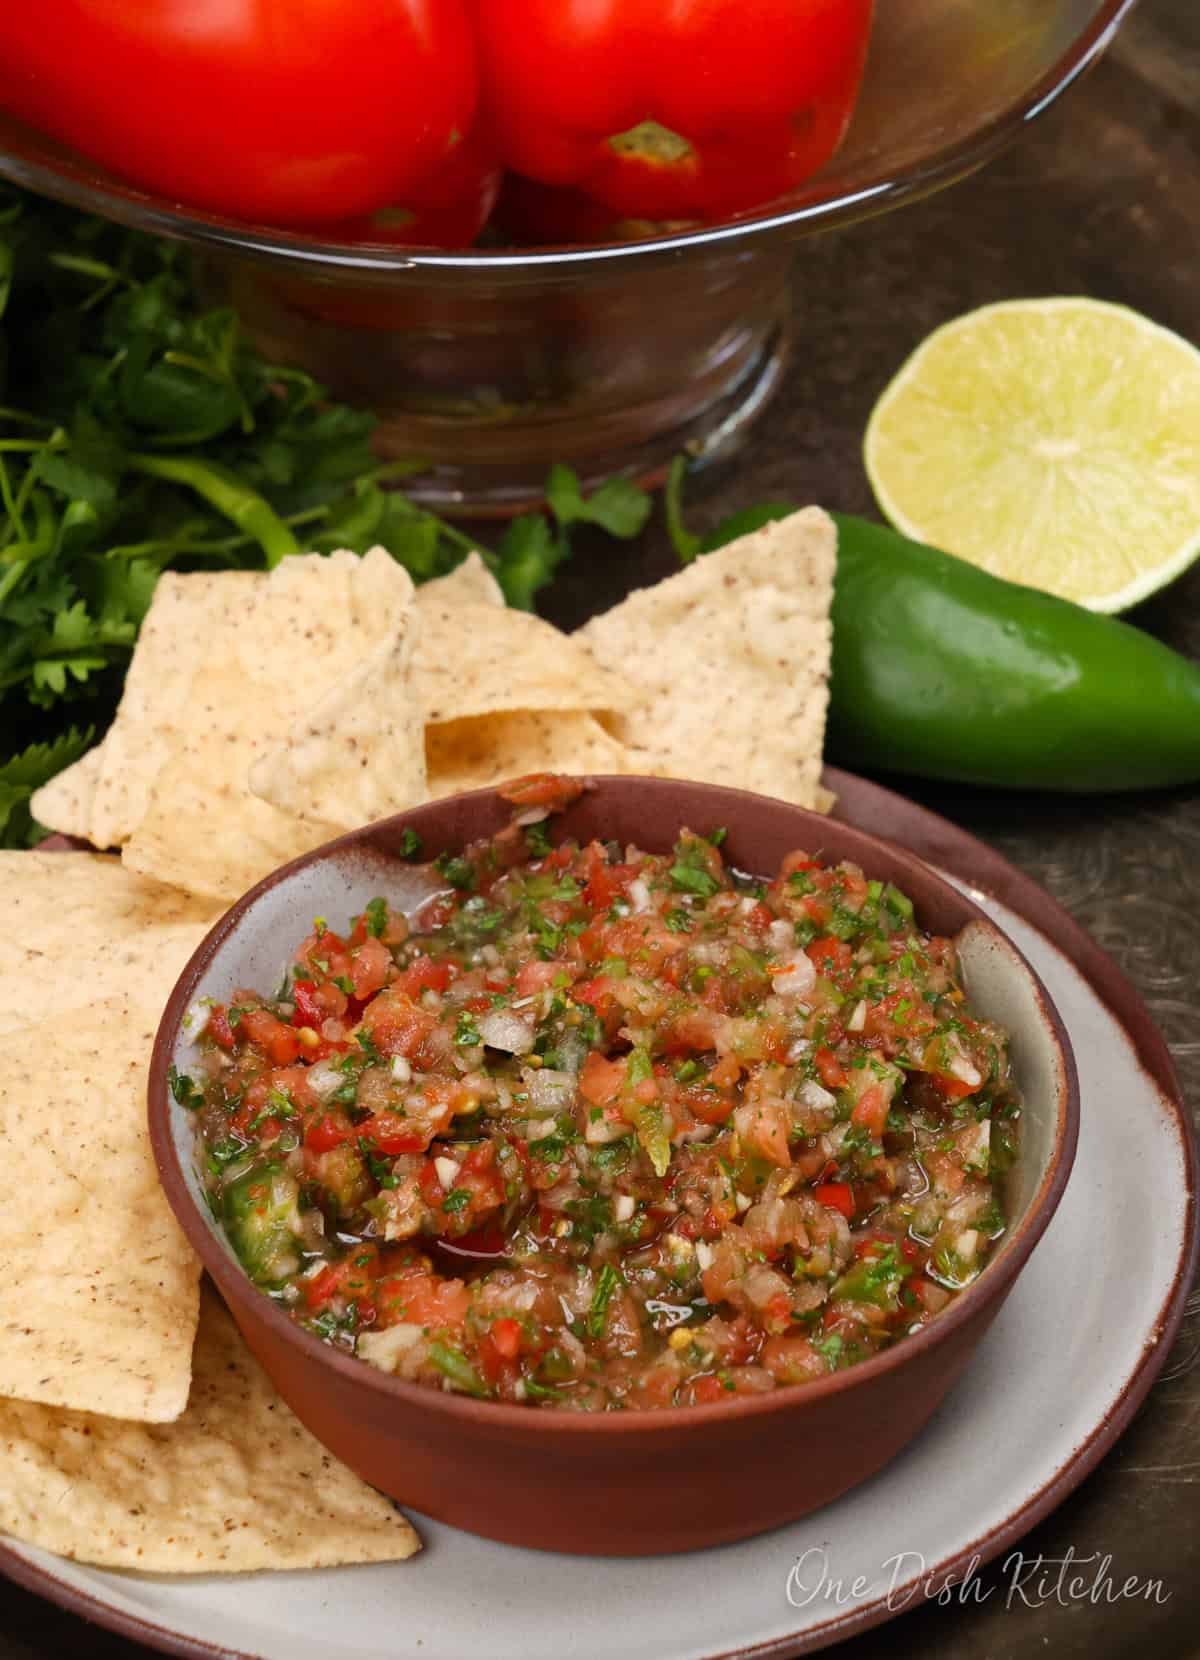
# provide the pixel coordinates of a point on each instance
(1104, 199)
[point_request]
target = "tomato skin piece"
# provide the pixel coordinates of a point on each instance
(249, 82)
(759, 91)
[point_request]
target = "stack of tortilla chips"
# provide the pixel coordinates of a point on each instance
(263, 714)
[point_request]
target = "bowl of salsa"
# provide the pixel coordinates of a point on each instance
(613, 1166)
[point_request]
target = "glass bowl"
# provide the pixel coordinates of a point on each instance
(493, 362)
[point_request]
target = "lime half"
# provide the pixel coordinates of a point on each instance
(1053, 442)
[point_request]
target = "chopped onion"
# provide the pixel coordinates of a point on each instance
(384, 1348)
(502, 1029)
(962, 1069)
(967, 1244)
(812, 1095)
(704, 1254)
(600, 1131)
(532, 815)
(401, 1069)
(325, 1079)
(639, 892)
(794, 978)
(858, 1019)
(550, 1091)
(781, 937)
(447, 1171)
(196, 1019)
(742, 1202)
(624, 1206)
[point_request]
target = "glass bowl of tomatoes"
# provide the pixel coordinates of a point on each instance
(572, 238)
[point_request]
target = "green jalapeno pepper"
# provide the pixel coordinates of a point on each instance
(942, 670)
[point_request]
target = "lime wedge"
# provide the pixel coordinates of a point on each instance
(1053, 442)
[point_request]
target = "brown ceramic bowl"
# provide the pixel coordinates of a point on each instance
(633, 1483)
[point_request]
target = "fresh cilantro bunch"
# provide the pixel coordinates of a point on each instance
(139, 431)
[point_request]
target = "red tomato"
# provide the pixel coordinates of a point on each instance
(424, 974)
(393, 1134)
(830, 956)
(219, 1027)
(538, 789)
(369, 968)
(328, 1131)
(695, 109)
(871, 1111)
(601, 1080)
(829, 1069)
(837, 1195)
(278, 111)
(395, 1023)
(277, 1041)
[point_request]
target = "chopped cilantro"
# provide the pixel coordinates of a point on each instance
(459, 872)
(466, 1032)
(376, 916)
(606, 1283)
(409, 845)
(184, 1090)
(456, 1200)
(679, 922)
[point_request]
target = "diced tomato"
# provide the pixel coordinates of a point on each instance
(277, 1041)
(793, 862)
(351, 1279)
(829, 1069)
(422, 1299)
(396, 1025)
(830, 956)
(601, 1080)
(506, 1335)
(330, 1130)
(871, 1111)
(760, 919)
(595, 993)
(369, 968)
(837, 1196)
(542, 789)
(219, 1027)
(308, 1010)
(708, 1389)
(424, 974)
(950, 1088)
(393, 1134)
(533, 977)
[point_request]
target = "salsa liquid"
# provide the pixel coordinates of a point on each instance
(604, 1129)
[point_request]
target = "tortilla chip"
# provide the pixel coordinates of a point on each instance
(99, 1294)
(183, 616)
(479, 660)
(80, 928)
(311, 627)
(472, 754)
(360, 755)
(731, 658)
(237, 1484)
(65, 803)
(470, 583)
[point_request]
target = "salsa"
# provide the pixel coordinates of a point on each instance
(599, 1128)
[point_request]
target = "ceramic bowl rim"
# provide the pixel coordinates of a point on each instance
(236, 1286)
